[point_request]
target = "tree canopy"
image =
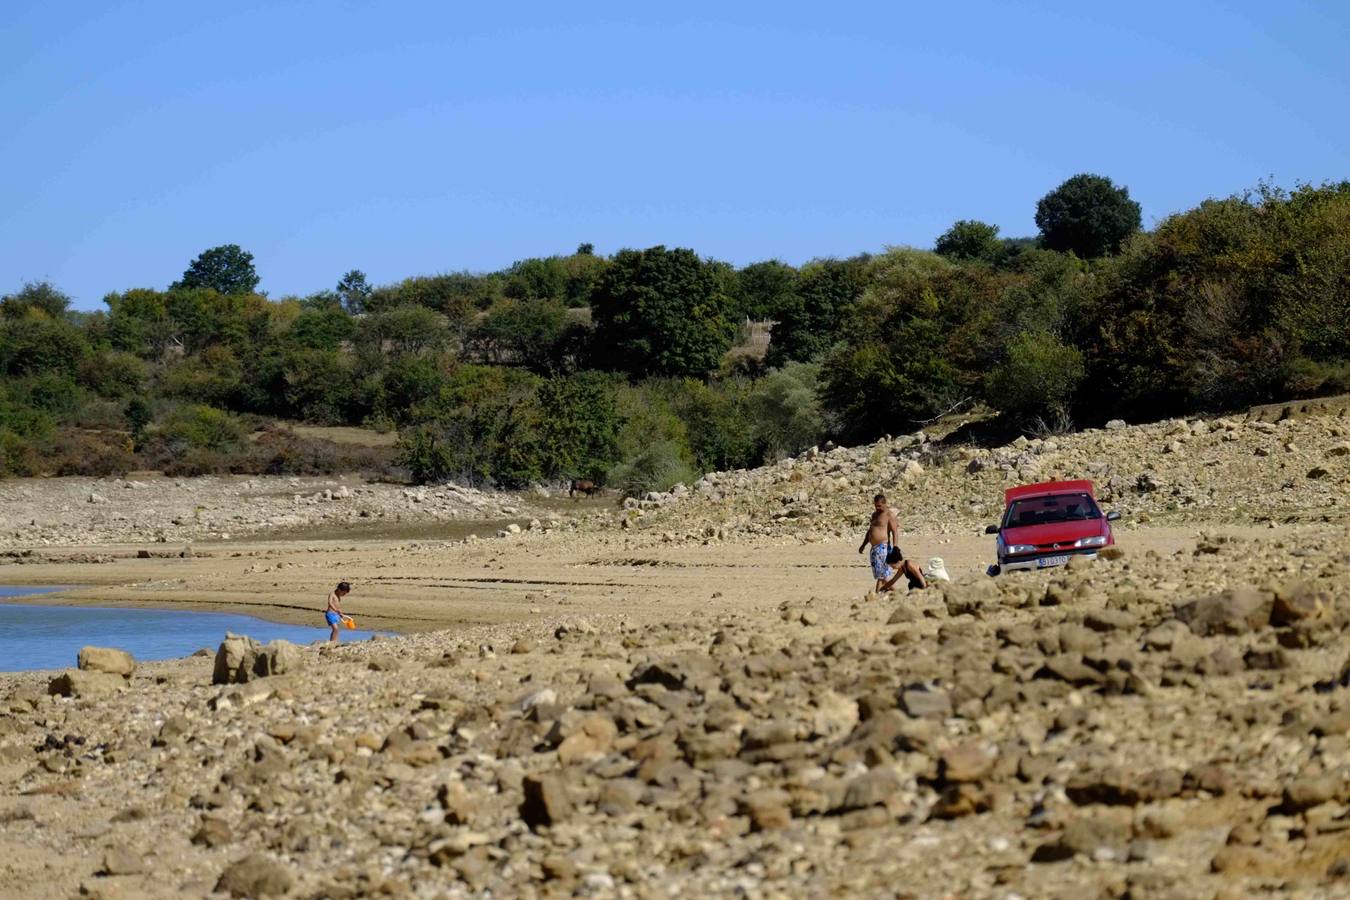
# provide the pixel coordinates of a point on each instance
(1088, 216)
(660, 312)
(227, 269)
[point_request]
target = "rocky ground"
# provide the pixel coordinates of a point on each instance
(149, 509)
(702, 702)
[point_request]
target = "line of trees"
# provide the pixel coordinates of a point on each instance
(632, 368)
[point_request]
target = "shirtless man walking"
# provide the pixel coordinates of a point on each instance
(881, 534)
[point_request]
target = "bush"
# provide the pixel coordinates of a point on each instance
(426, 454)
(785, 408)
(969, 240)
(407, 328)
(212, 377)
(522, 332)
(280, 451)
(37, 345)
(579, 426)
(657, 467)
(320, 387)
(19, 455)
(113, 374)
(197, 427)
(1039, 379)
(91, 454)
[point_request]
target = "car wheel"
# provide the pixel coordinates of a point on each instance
(994, 570)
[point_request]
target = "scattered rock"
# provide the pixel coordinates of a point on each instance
(107, 659)
(256, 875)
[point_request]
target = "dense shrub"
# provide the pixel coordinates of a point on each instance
(91, 453)
(657, 467)
(785, 408)
(1038, 380)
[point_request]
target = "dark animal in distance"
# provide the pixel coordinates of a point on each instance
(581, 486)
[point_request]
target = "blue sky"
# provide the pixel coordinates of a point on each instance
(417, 137)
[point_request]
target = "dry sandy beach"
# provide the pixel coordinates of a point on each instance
(693, 696)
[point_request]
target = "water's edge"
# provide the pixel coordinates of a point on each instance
(37, 637)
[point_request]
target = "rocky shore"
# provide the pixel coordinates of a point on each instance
(702, 702)
(149, 509)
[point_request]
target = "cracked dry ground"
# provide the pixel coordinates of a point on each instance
(1170, 723)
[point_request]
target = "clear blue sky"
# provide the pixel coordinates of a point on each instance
(419, 137)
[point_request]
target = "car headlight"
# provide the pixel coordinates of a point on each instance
(1098, 541)
(1021, 548)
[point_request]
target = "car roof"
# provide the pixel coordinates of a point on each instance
(1047, 488)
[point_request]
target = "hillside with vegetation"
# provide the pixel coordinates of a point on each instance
(648, 367)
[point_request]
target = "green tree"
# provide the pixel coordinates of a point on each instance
(404, 329)
(227, 269)
(139, 416)
(969, 240)
(321, 329)
(1087, 215)
(538, 278)
(213, 377)
(522, 332)
(456, 295)
(763, 289)
(808, 323)
(36, 344)
(579, 426)
(662, 312)
(35, 297)
(719, 429)
(354, 291)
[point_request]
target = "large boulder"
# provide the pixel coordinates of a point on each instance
(107, 659)
(240, 659)
(79, 683)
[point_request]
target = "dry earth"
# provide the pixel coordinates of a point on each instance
(694, 697)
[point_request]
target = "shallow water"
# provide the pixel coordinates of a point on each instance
(50, 637)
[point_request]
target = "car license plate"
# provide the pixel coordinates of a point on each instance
(1046, 562)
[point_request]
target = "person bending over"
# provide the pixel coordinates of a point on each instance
(896, 562)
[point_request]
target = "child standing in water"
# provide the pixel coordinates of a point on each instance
(334, 615)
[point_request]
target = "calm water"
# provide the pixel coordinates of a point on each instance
(50, 637)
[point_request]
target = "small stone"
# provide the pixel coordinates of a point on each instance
(922, 703)
(769, 809)
(593, 737)
(121, 861)
(256, 875)
(213, 832)
(970, 761)
(546, 800)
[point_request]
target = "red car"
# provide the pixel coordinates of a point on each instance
(1044, 524)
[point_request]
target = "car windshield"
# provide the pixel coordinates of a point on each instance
(1054, 508)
